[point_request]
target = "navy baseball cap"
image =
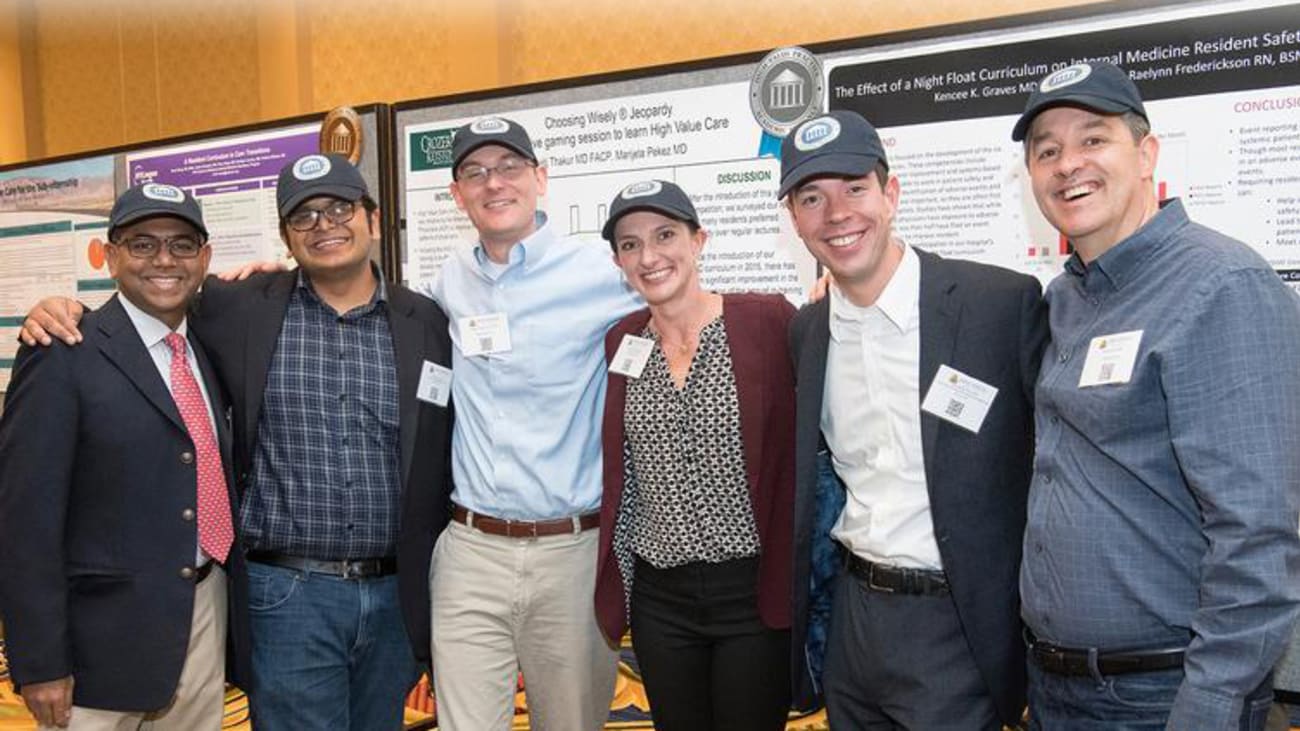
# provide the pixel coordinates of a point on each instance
(155, 199)
(659, 196)
(1100, 86)
(839, 143)
(489, 131)
(316, 174)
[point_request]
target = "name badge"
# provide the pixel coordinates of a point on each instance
(1110, 359)
(484, 334)
(631, 357)
(959, 399)
(435, 384)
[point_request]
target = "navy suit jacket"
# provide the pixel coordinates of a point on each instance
(989, 323)
(239, 323)
(97, 490)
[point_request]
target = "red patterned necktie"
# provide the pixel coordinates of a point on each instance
(216, 533)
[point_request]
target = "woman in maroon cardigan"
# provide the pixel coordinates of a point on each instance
(699, 478)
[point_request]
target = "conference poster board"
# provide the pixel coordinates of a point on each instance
(53, 221)
(1220, 82)
(54, 213)
(695, 129)
(1223, 80)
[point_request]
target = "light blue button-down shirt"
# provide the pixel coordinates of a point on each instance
(526, 440)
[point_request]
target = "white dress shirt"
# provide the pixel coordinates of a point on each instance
(154, 333)
(871, 420)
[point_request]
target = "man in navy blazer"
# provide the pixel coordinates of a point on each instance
(914, 444)
(116, 497)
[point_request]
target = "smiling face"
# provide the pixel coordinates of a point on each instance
(1092, 180)
(501, 207)
(658, 256)
(847, 225)
(333, 251)
(163, 284)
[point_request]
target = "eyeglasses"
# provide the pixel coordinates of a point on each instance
(337, 213)
(509, 168)
(147, 247)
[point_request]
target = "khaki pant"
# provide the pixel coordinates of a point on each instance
(501, 605)
(199, 702)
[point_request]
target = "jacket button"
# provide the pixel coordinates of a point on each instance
(187, 457)
(187, 514)
(187, 573)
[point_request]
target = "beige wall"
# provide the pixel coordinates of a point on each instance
(83, 74)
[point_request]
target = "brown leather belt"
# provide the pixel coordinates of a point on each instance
(524, 528)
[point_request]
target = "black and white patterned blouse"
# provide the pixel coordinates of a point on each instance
(685, 493)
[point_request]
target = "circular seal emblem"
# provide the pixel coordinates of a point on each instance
(817, 133)
(489, 126)
(341, 133)
(641, 190)
(786, 89)
(165, 193)
(311, 167)
(1065, 77)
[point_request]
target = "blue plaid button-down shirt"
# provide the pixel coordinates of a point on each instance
(1163, 510)
(325, 480)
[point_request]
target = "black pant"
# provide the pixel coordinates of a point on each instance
(707, 661)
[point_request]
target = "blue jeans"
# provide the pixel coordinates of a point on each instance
(1130, 702)
(328, 652)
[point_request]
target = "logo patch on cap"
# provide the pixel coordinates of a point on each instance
(489, 126)
(1065, 77)
(642, 189)
(311, 167)
(166, 193)
(816, 133)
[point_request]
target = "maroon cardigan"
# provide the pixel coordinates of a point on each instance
(760, 357)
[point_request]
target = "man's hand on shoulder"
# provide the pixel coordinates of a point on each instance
(50, 702)
(52, 317)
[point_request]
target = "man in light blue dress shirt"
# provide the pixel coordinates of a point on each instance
(1161, 571)
(513, 575)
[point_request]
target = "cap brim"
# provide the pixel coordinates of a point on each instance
(1083, 101)
(837, 164)
(678, 214)
(341, 191)
(483, 143)
(143, 213)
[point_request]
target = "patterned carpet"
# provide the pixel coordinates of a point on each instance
(629, 709)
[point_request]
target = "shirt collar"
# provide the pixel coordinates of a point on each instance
(380, 294)
(152, 330)
(529, 250)
(897, 304)
(1122, 262)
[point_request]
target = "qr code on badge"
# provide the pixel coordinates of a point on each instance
(954, 408)
(1107, 372)
(626, 365)
(485, 344)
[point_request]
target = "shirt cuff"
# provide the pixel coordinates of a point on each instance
(1197, 709)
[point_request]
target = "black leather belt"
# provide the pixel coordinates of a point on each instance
(898, 580)
(362, 568)
(202, 572)
(1074, 661)
(525, 528)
